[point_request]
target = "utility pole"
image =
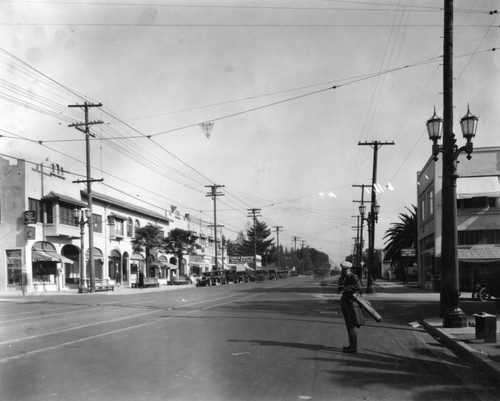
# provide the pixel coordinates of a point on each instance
(302, 255)
(278, 242)
(360, 243)
(356, 241)
(222, 241)
(452, 314)
(85, 128)
(254, 214)
(375, 145)
(295, 239)
(214, 194)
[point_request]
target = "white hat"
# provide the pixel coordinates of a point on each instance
(345, 264)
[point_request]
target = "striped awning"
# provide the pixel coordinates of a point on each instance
(49, 256)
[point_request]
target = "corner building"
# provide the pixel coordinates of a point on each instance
(478, 218)
(40, 246)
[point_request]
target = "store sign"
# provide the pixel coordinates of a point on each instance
(240, 259)
(408, 252)
(30, 232)
(30, 217)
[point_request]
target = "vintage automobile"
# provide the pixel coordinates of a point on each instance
(487, 284)
(219, 277)
(488, 290)
(205, 280)
(261, 275)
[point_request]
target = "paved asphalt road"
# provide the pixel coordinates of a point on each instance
(276, 340)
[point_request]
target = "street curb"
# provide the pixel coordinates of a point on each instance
(469, 354)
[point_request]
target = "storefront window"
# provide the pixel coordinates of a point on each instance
(14, 266)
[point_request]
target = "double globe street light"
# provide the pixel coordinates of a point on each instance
(452, 315)
(81, 218)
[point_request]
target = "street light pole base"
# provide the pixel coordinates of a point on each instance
(82, 290)
(454, 318)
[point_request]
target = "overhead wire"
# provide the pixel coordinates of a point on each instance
(158, 166)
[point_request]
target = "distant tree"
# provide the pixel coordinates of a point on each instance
(147, 239)
(261, 234)
(236, 246)
(403, 234)
(231, 248)
(179, 242)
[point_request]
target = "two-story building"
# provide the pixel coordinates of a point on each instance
(41, 248)
(478, 212)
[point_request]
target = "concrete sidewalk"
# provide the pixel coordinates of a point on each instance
(462, 340)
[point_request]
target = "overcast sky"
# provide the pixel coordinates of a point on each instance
(291, 88)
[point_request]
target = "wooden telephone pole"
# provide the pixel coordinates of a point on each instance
(85, 128)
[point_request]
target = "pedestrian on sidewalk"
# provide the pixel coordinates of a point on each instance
(350, 287)
(141, 279)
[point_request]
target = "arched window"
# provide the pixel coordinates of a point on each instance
(130, 228)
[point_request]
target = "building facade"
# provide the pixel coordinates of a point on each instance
(41, 247)
(478, 211)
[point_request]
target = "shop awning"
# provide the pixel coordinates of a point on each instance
(167, 265)
(49, 256)
(475, 187)
(479, 254)
(247, 267)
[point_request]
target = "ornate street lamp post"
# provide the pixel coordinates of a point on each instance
(81, 218)
(370, 220)
(452, 315)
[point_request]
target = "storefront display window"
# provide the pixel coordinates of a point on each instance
(14, 266)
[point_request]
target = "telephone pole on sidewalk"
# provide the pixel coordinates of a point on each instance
(371, 240)
(85, 128)
(278, 242)
(214, 194)
(254, 214)
(361, 224)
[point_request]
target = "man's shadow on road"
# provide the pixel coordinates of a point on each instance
(418, 375)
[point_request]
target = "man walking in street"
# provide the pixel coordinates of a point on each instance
(350, 287)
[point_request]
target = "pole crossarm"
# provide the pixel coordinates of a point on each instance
(87, 181)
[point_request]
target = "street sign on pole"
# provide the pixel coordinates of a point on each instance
(408, 252)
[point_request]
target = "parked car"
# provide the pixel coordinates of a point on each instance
(205, 280)
(487, 284)
(194, 278)
(488, 290)
(260, 275)
(219, 277)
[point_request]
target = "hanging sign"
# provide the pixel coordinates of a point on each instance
(30, 217)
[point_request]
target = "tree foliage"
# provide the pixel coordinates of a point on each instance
(148, 239)
(257, 238)
(179, 242)
(403, 234)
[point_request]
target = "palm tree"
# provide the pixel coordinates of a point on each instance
(147, 239)
(178, 242)
(401, 235)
